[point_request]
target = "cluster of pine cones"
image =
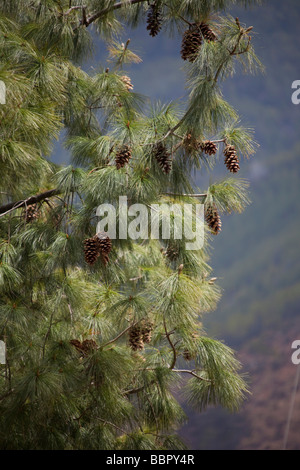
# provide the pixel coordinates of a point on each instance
(140, 334)
(99, 245)
(192, 37)
(230, 153)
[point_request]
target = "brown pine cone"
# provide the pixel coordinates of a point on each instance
(191, 43)
(209, 147)
(154, 20)
(207, 32)
(91, 250)
(123, 156)
(213, 219)
(162, 157)
(231, 159)
(135, 338)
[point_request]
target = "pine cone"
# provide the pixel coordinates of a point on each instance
(135, 338)
(88, 345)
(104, 246)
(231, 159)
(207, 32)
(162, 157)
(191, 43)
(172, 253)
(104, 242)
(209, 147)
(213, 219)
(31, 213)
(154, 20)
(123, 156)
(146, 331)
(91, 249)
(127, 82)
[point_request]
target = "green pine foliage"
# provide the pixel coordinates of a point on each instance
(77, 375)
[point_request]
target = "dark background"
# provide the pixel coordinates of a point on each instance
(256, 256)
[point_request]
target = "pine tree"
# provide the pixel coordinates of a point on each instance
(99, 330)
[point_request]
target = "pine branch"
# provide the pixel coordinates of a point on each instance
(103, 12)
(77, 7)
(5, 209)
(233, 51)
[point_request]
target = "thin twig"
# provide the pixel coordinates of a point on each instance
(185, 195)
(121, 334)
(172, 346)
(113, 425)
(191, 372)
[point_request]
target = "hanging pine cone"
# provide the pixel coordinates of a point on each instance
(135, 338)
(191, 43)
(154, 20)
(91, 250)
(146, 331)
(31, 213)
(209, 147)
(213, 219)
(162, 157)
(231, 159)
(127, 82)
(123, 156)
(207, 32)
